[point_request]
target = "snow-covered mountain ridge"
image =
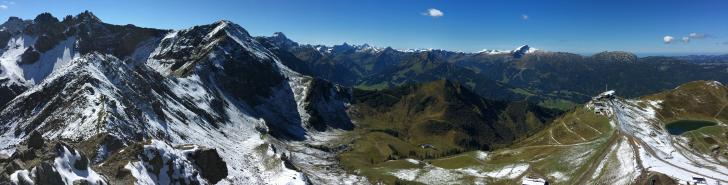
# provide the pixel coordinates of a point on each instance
(211, 86)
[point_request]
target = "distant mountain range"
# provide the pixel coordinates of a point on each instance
(554, 79)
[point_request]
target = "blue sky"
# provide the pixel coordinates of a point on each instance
(572, 26)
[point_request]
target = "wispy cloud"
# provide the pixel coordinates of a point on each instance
(686, 40)
(433, 13)
(4, 5)
(699, 35)
(524, 17)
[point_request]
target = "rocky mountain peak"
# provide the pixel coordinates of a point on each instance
(87, 16)
(279, 35)
(230, 28)
(45, 18)
(520, 51)
(280, 40)
(13, 20)
(14, 24)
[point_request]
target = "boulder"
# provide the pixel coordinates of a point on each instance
(29, 56)
(81, 182)
(82, 163)
(36, 141)
(26, 155)
(45, 174)
(211, 166)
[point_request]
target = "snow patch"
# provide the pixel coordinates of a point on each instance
(715, 84)
(559, 176)
(65, 163)
(20, 174)
(510, 171)
(413, 161)
(481, 155)
(406, 174)
(175, 166)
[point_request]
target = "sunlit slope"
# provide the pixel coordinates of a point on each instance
(609, 140)
(434, 120)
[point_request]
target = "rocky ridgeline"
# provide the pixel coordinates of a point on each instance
(40, 161)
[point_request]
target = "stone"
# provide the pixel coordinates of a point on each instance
(81, 182)
(211, 166)
(82, 163)
(36, 141)
(26, 155)
(45, 174)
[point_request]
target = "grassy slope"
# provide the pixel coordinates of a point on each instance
(544, 156)
(393, 123)
(565, 149)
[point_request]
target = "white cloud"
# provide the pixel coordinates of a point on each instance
(433, 13)
(6, 4)
(668, 39)
(699, 35)
(524, 17)
(686, 40)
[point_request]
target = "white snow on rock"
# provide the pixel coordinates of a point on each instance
(173, 160)
(559, 176)
(628, 169)
(481, 155)
(64, 164)
(437, 175)
(413, 161)
(20, 174)
(493, 52)
(33, 73)
(715, 84)
(50, 61)
(140, 173)
(10, 57)
(406, 174)
(496, 52)
(533, 181)
(510, 171)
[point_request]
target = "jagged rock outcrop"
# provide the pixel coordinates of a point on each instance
(211, 165)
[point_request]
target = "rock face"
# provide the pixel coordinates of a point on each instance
(325, 104)
(212, 167)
